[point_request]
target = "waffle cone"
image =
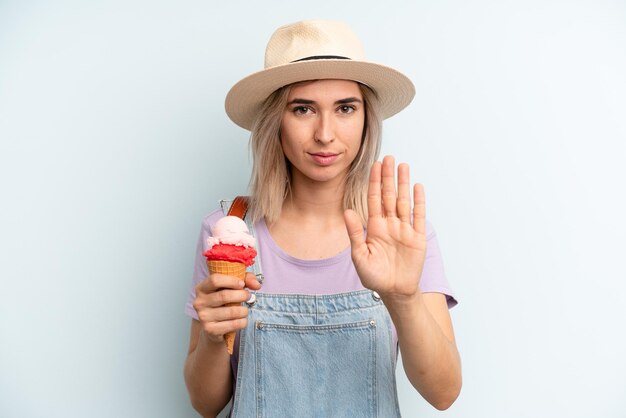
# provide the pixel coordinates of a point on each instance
(232, 269)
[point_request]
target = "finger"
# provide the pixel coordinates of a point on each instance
(252, 282)
(224, 297)
(419, 209)
(389, 186)
(220, 298)
(404, 193)
(217, 281)
(215, 300)
(224, 313)
(374, 204)
(355, 232)
(224, 327)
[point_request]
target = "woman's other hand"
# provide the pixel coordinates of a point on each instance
(391, 257)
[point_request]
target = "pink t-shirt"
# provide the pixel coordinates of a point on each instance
(286, 274)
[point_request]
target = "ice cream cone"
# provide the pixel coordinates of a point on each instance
(229, 251)
(232, 269)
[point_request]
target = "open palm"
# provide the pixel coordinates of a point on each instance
(391, 257)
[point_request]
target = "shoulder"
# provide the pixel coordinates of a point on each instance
(211, 218)
(430, 230)
(432, 241)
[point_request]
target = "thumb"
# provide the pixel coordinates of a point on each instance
(252, 282)
(355, 232)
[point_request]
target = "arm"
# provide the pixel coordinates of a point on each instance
(390, 260)
(207, 368)
(429, 354)
(207, 373)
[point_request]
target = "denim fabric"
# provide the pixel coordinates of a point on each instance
(316, 356)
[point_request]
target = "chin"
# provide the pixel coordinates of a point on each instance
(320, 174)
(327, 176)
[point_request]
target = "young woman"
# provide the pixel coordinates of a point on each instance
(352, 270)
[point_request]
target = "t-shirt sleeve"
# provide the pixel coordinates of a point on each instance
(433, 275)
(200, 269)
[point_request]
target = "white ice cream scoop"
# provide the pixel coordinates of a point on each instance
(231, 230)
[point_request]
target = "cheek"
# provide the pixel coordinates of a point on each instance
(354, 136)
(289, 147)
(288, 135)
(283, 135)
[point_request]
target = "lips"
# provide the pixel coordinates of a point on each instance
(324, 158)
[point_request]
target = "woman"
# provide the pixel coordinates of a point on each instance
(352, 272)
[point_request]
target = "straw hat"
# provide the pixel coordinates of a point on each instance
(315, 50)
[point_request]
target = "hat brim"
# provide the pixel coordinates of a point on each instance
(244, 100)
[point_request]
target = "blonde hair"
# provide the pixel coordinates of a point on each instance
(270, 179)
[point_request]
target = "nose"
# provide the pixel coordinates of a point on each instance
(324, 131)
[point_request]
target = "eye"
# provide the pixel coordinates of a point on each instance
(346, 109)
(301, 110)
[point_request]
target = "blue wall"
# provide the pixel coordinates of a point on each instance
(114, 144)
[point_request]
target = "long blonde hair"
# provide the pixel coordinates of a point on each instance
(270, 179)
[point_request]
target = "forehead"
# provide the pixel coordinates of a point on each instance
(332, 89)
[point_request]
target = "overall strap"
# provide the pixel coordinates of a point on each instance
(239, 207)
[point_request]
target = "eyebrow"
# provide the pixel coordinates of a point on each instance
(338, 102)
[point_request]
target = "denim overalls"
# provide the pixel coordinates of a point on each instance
(316, 356)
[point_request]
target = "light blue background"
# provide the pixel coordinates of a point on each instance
(114, 144)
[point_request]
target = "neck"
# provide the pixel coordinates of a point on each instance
(310, 199)
(315, 210)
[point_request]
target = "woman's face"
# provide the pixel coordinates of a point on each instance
(321, 129)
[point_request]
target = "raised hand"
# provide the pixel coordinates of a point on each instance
(391, 257)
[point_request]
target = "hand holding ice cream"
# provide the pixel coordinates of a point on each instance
(230, 250)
